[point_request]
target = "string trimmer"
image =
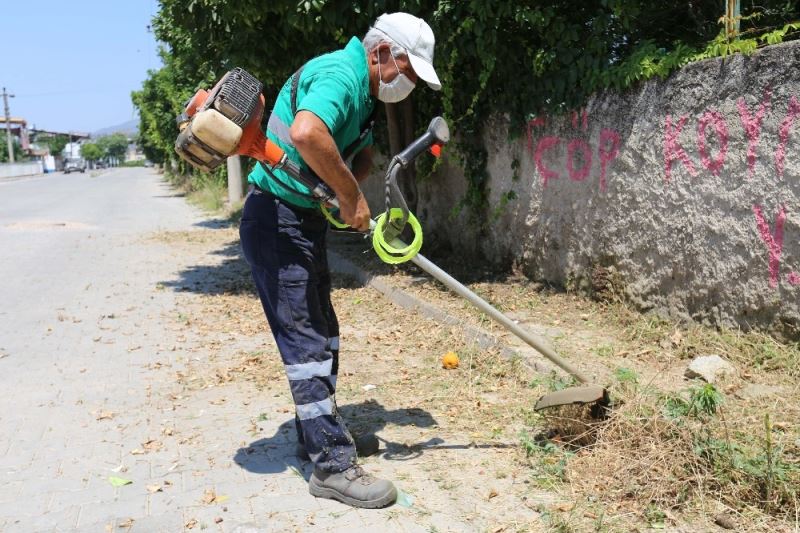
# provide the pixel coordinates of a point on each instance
(227, 121)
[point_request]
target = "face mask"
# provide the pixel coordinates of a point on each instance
(397, 89)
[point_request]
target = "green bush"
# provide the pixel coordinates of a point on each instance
(515, 58)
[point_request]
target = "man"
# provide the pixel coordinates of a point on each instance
(319, 119)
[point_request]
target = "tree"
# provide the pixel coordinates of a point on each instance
(91, 151)
(114, 145)
(18, 155)
(55, 143)
(505, 57)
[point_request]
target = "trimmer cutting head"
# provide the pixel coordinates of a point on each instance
(583, 395)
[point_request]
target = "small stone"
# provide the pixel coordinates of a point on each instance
(755, 391)
(725, 521)
(708, 368)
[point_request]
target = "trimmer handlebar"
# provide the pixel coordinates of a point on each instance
(438, 134)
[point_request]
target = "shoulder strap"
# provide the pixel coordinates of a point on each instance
(365, 128)
(295, 83)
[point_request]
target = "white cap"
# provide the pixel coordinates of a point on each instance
(413, 34)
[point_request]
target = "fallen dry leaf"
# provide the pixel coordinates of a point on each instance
(152, 445)
(492, 494)
(127, 524)
(104, 415)
(153, 488)
(209, 496)
(137, 451)
(190, 524)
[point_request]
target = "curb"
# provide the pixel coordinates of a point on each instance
(482, 338)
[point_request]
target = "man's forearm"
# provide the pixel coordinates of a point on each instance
(362, 164)
(318, 150)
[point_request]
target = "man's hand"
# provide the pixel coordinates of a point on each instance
(355, 212)
(317, 148)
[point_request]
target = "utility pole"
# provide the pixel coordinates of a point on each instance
(8, 125)
(235, 185)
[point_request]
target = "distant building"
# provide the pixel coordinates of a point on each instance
(134, 153)
(72, 151)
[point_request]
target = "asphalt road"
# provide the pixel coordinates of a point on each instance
(62, 234)
(77, 286)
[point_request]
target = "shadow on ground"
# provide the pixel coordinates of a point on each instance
(277, 453)
(231, 276)
(215, 223)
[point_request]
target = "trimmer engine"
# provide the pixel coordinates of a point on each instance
(222, 122)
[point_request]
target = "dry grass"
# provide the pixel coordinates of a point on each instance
(695, 452)
(656, 460)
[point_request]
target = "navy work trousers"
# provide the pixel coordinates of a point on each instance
(285, 248)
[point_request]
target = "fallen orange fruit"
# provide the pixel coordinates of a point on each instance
(450, 360)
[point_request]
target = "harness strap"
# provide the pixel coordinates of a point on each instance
(281, 130)
(366, 127)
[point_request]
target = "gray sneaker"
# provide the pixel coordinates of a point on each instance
(366, 445)
(353, 487)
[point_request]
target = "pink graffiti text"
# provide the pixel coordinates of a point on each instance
(773, 240)
(752, 127)
(578, 167)
(783, 134)
(716, 119)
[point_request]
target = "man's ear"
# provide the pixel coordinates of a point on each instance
(375, 56)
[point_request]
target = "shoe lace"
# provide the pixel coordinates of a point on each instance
(355, 472)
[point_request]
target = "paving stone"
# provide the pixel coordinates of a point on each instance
(172, 499)
(9, 491)
(63, 520)
(91, 495)
(268, 504)
(123, 508)
(165, 523)
(28, 506)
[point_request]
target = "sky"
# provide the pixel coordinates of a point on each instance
(73, 64)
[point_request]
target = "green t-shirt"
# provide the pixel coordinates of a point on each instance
(335, 87)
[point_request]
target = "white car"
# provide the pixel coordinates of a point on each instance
(75, 165)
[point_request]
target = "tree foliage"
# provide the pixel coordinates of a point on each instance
(18, 155)
(114, 145)
(516, 57)
(91, 152)
(55, 143)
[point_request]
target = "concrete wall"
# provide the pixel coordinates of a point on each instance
(10, 170)
(684, 192)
